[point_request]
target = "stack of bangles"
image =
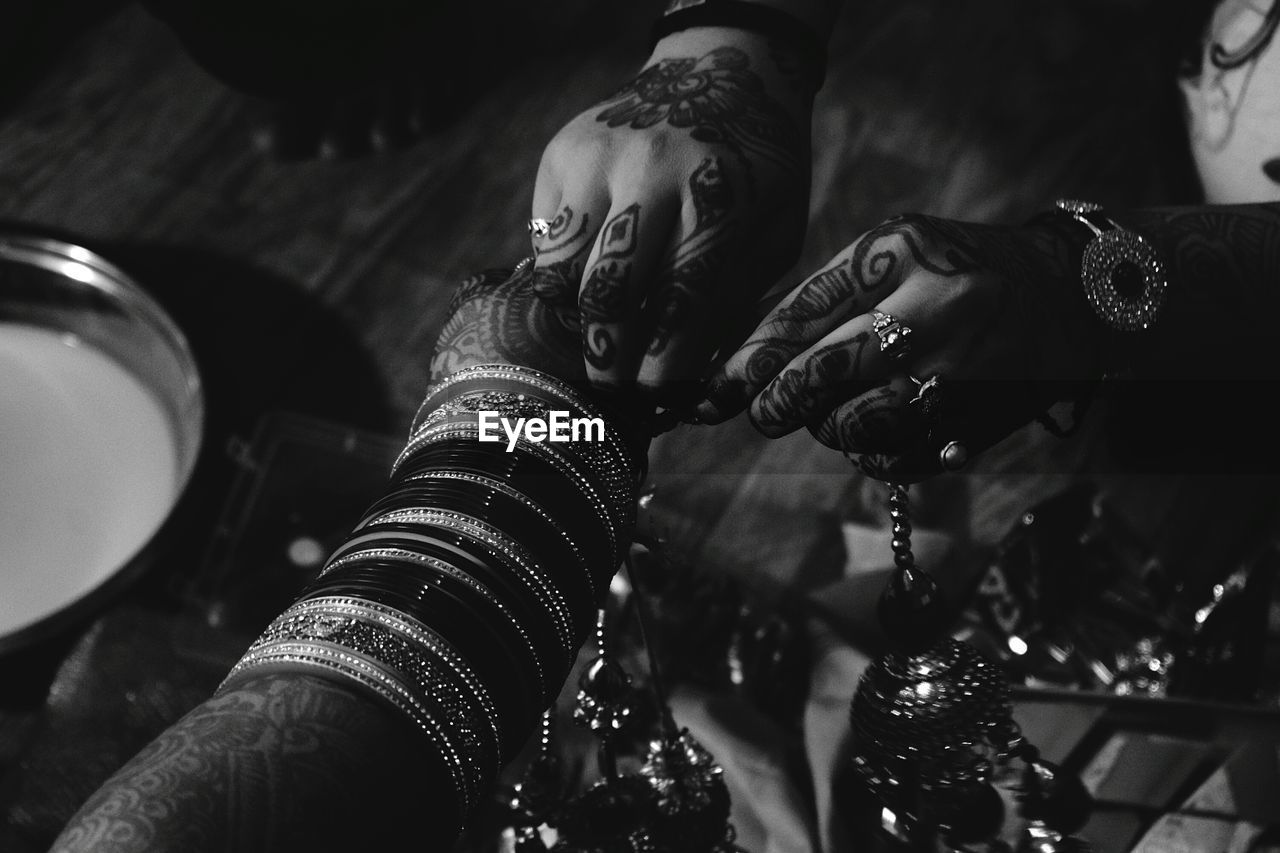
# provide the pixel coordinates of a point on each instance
(464, 593)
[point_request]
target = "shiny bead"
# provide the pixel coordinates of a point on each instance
(902, 530)
(921, 721)
(953, 456)
(604, 697)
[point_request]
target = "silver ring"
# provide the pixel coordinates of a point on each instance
(953, 456)
(893, 333)
(539, 228)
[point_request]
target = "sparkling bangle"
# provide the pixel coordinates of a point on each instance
(501, 506)
(547, 481)
(504, 548)
(383, 547)
(617, 510)
(337, 662)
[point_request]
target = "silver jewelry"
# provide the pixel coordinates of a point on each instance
(953, 456)
(1114, 252)
(894, 334)
(534, 577)
(539, 228)
(928, 395)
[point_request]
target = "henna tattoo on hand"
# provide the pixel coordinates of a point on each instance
(605, 293)
(697, 265)
(504, 319)
(793, 398)
(556, 282)
(711, 193)
(718, 99)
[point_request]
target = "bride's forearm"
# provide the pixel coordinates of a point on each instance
(280, 762)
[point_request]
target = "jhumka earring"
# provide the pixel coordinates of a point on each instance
(932, 721)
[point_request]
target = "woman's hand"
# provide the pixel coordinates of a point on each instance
(996, 316)
(683, 192)
(495, 317)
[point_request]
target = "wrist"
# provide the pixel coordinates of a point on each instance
(818, 15)
(1061, 244)
(795, 41)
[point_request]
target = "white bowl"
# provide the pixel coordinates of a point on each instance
(101, 422)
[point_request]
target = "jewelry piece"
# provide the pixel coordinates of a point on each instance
(336, 661)
(536, 579)
(538, 455)
(953, 456)
(1114, 254)
(539, 228)
(520, 498)
(893, 333)
(928, 395)
(469, 711)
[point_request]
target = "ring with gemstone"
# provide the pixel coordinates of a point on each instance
(539, 228)
(894, 334)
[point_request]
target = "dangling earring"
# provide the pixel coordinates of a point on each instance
(932, 718)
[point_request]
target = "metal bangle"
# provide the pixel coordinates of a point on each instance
(497, 504)
(469, 711)
(527, 379)
(519, 497)
(610, 511)
(538, 580)
(335, 660)
(606, 458)
(445, 568)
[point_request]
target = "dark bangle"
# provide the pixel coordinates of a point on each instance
(754, 17)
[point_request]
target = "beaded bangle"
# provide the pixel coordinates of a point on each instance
(547, 480)
(492, 663)
(488, 381)
(532, 506)
(474, 558)
(467, 705)
(336, 661)
(620, 506)
(507, 511)
(475, 604)
(503, 548)
(600, 458)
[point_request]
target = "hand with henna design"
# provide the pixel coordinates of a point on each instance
(497, 316)
(684, 190)
(998, 314)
